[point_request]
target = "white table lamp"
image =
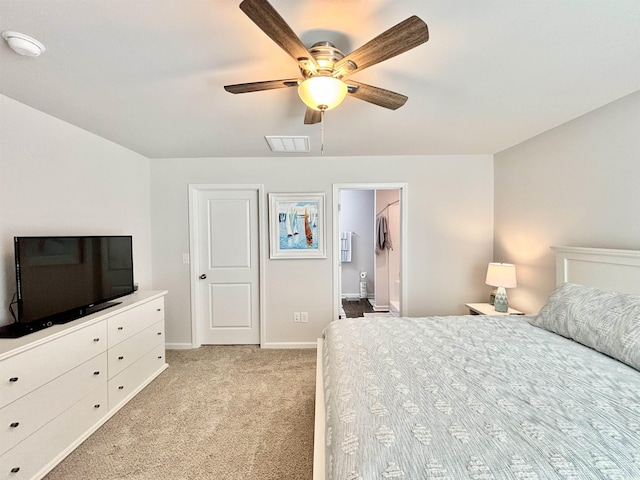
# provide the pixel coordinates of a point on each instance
(501, 275)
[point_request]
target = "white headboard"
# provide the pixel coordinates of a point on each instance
(609, 269)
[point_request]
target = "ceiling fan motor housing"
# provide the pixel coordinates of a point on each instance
(326, 55)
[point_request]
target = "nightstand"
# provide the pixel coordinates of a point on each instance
(487, 309)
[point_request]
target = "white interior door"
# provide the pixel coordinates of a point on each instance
(228, 296)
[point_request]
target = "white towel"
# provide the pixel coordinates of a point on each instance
(345, 246)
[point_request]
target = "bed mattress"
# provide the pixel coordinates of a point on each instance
(474, 398)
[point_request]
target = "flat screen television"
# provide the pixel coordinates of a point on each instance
(60, 279)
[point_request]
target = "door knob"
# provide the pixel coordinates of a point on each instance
(203, 276)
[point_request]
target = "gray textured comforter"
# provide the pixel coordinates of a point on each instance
(474, 398)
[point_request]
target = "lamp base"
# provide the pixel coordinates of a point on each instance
(501, 304)
(492, 296)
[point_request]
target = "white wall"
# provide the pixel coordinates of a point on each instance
(58, 179)
(450, 216)
(577, 185)
(356, 216)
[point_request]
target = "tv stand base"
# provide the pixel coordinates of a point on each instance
(17, 329)
(99, 307)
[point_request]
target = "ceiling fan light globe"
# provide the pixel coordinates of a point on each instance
(322, 92)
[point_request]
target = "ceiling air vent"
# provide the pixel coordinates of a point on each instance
(288, 144)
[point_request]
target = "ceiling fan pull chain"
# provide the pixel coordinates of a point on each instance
(321, 133)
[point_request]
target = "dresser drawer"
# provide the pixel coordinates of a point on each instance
(20, 419)
(125, 324)
(130, 380)
(134, 348)
(30, 456)
(33, 368)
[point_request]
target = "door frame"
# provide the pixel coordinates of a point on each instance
(404, 208)
(195, 255)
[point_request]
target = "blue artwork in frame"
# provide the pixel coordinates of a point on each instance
(296, 224)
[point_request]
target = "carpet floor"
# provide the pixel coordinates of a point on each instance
(217, 412)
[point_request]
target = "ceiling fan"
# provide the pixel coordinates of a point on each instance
(325, 69)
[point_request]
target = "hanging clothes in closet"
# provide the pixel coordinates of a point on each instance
(383, 238)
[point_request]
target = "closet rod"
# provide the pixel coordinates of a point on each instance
(388, 205)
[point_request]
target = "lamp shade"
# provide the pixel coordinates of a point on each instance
(322, 92)
(501, 275)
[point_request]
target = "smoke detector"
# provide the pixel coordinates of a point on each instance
(23, 44)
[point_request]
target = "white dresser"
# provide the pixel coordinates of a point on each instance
(58, 385)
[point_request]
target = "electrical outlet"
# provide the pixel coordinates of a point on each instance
(304, 317)
(296, 317)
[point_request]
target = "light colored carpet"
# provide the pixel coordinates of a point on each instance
(223, 412)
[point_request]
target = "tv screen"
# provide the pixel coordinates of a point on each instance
(61, 278)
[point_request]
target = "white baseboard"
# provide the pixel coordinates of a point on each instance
(380, 308)
(355, 296)
(178, 346)
(289, 345)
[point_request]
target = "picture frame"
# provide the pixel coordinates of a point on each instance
(297, 225)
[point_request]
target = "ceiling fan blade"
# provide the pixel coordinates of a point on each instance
(403, 37)
(270, 22)
(376, 95)
(312, 116)
(259, 86)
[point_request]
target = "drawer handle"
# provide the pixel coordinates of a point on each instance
(159, 357)
(97, 405)
(159, 333)
(120, 357)
(96, 372)
(120, 387)
(120, 328)
(13, 379)
(15, 469)
(96, 339)
(159, 310)
(14, 424)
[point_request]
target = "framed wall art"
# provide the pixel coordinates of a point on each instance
(297, 225)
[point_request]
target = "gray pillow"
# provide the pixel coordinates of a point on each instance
(608, 322)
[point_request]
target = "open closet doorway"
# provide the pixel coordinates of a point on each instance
(369, 227)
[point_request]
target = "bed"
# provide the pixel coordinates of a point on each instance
(551, 395)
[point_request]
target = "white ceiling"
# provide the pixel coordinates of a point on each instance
(148, 74)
